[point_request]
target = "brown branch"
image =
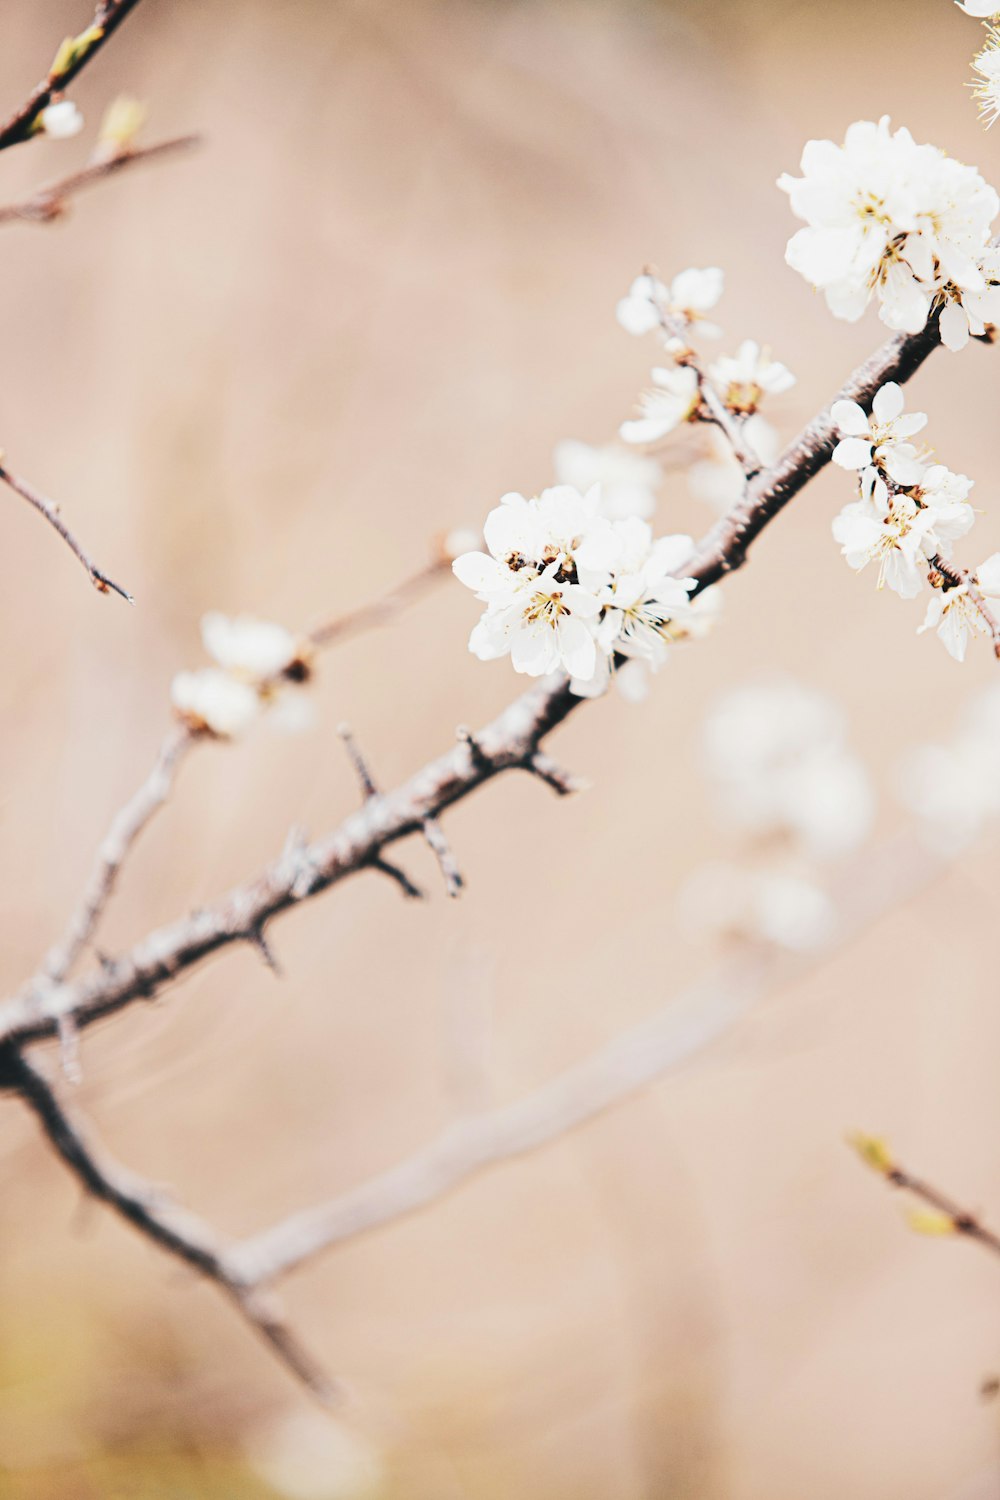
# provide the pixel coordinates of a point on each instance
(50, 202)
(50, 511)
(176, 1230)
(108, 16)
(511, 741)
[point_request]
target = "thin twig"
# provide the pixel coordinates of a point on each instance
(125, 828)
(50, 511)
(150, 1211)
(108, 16)
(50, 202)
(380, 611)
(713, 408)
(948, 1217)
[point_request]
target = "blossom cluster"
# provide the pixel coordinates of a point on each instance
(254, 661)
(908, 514)
(900, 222)
(677, 392)
(567, 589)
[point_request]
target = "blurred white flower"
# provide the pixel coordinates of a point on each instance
(982, 9)
(777, 907)
(628, 481)
(689, 296)
(253, 649)
(61, 120)
(954, 788)
(744, 379)
(461, 539)
(214, 702)
(309, 1455)
(776, 752)
(673, 400)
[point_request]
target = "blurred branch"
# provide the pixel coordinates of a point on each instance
(613, 1074)
(383, 609)
(149, 1210)
(72, 57)
(50, 202)
(941, 1214)
(50, 510)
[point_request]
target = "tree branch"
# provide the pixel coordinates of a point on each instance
(108, 16)
(50, 511)
(49, 202)
(152, 1213)
(512, 740)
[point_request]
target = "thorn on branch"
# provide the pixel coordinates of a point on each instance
(546, 769)
(434, 834)
(406, 885)
(368, 787)
(257, 939)
(480, 759)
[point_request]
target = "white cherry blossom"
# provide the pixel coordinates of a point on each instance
(988, 577)
(211, 701)
(955, 617)
(255, 650)
(880, 440)
(983, 9)
(946, 495)
(744, 379)
(891, 534)
(890, 219)
(672, 401)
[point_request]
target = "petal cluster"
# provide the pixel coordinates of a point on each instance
(567, 589)
(253, 660)
(899, 222)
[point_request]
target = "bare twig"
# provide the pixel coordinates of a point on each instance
(108, 16)
(126, 827)
(546, 769)
(50, 202)
(713, 409)
(149, 1210)
(380, 611)
(50, 511)
(509, 742)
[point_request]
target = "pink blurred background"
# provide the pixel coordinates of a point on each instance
(261, 378)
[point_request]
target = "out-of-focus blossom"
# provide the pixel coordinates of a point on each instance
(310, 1455)
(672, 401)
(628, 482)
(954, 788)
(211, 701)
(782, 909)
(255, 650)
(744, 379)
(688, 297)
(61, 120)
(719, 479)
(776, 752)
